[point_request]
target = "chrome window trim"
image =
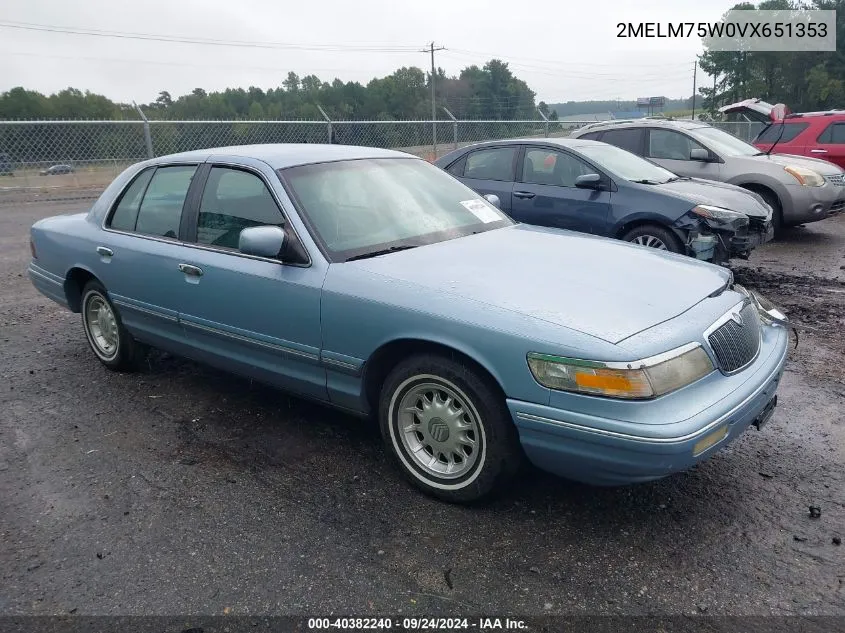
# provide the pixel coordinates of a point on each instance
(720, 322)
(285, 216)
(651, 361)
(170, 240)
(116, 200)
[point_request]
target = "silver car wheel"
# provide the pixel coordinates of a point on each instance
(651, 241)
(439, 429)
(101, 326)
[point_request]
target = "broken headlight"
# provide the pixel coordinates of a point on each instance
(709, 212)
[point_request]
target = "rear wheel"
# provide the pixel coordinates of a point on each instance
(109, 340)
(448, 428)
(654, 236)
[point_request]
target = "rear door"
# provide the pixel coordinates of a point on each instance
(491, 170)
(545, 193)
(139, 264)
(671, 149)
(830, 145)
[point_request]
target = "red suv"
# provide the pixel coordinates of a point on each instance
(813, 134)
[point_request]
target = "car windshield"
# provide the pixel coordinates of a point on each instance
(723, 143)
(625, 164)
(360, 208)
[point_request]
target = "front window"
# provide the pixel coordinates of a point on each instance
(234, 200)
(548, 167)
(357, 208)
(670, 145)
(625, 164)
(723, 143)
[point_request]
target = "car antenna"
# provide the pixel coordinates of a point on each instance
(780, 136)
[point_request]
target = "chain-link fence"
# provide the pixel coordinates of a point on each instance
(43, 160)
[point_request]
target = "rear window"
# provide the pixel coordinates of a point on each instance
(790, 131)
(834, 134)
(491, 164)
(630, 139)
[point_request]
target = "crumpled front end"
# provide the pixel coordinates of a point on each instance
(718, 240)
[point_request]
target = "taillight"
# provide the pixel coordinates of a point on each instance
(32, 249)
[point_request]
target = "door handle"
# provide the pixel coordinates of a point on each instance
(193, 271)
(104, 251)
(818, 151)
(526, 195)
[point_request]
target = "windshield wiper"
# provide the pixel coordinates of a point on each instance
(384, 251)
(646, 181)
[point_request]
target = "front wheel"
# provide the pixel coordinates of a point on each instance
(654, 236)
(108, 338)
(448, 428)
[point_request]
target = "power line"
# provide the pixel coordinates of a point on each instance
(579, 64)
(47, 28)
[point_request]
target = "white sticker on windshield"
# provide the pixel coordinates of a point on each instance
(480, 210)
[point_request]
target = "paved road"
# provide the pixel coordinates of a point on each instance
(184, 490)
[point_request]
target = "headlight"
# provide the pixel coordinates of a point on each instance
(716, 213)
(806, 177)
(639, 380)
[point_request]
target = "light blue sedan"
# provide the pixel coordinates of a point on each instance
(372, 281)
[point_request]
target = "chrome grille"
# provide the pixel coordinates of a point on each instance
(836, 179)
(736, 344)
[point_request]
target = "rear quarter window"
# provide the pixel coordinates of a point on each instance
(630, 139)
(126, 212)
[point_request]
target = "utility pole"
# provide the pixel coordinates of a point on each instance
(713, 96)
(431, 50)
(694, 70)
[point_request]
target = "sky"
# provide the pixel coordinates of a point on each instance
(566, 51)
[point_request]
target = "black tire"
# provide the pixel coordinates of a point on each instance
(777, 211)
(669, 239)
(497, 452)
(128, 353)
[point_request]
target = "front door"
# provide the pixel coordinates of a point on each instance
(255, 316)
(545, 193)
(671, 150)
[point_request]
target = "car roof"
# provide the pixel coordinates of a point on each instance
(684, 124)
(283, 155)
(561, 142)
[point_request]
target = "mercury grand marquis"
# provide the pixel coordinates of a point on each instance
(374, 282)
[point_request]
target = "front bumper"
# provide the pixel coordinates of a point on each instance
(718, 241)
(810, 204)
(601, 451)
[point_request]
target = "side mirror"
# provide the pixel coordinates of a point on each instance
(493, 199)
(700, 155)
(262, 241)
(588, 181)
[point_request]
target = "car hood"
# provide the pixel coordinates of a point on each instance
(822, 166)
(719, 194)
(601, 287)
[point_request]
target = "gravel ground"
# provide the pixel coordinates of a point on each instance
(185, 490)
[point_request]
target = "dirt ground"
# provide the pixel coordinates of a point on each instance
(184, 490)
